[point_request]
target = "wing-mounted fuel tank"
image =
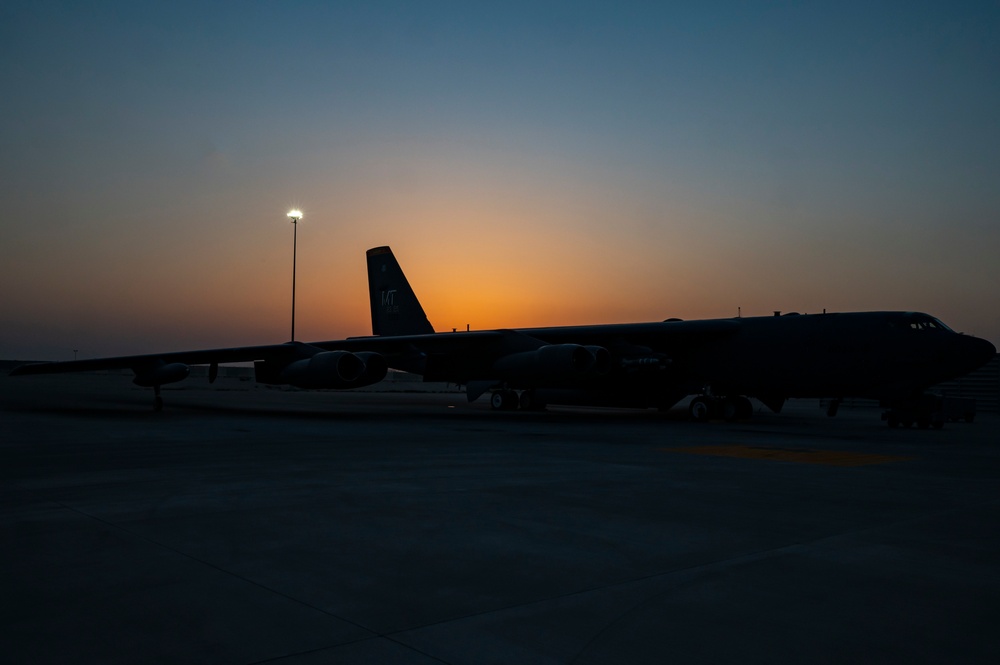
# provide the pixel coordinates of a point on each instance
(151, 376)
(554, 362)
(324, 369)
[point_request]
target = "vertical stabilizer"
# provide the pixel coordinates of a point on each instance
(395, 308)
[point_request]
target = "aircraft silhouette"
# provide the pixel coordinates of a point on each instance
(893, 357)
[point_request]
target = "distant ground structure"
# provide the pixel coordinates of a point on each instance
(983, 385)
(394, 381)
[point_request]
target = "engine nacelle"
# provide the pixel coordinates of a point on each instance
(553, 362)
(335, 369)
(376, 368)
(157, 376)
(602, 360)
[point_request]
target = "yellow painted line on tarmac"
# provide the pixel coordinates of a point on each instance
(799, 455)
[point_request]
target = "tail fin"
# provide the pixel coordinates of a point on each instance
(395, 308)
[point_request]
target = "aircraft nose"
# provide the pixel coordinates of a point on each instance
(977, 352)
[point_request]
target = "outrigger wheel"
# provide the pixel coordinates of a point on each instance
(700, 409)
(504, 400)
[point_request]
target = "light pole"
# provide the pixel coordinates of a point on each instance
(295, 215)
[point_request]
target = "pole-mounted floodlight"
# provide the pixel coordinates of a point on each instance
(295, 215)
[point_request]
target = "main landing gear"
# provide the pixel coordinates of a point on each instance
(157, 400)
(509, 400)
(704, 408)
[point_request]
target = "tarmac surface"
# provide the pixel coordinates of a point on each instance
(248, 525)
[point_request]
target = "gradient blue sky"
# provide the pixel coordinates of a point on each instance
(541, 163)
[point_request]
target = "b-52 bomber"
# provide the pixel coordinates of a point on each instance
(893, 357)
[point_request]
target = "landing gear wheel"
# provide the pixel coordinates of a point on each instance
(504, 400)
(730, 409)
(700, 409)
(157, 400)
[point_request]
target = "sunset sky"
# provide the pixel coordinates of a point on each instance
(536, 163)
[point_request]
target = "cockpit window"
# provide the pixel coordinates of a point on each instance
(918, 322)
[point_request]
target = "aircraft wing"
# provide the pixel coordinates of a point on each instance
(202, 357)
(275, 353)
(489, 342)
